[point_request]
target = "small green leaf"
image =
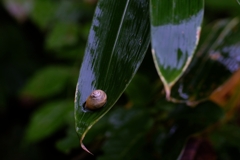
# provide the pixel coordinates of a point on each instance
(43, 17)
(47, 82)
(48, 119)
(62, 35)
(175, 30)
(118, 40)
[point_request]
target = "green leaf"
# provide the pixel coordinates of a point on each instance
(197, 116)
(43, 12)
(175, 30)
(126, 138)
(118, 39)
(62, 35)
(216, 60)
(72, 53)
(188, 121)
(47, 82)
(48, 119)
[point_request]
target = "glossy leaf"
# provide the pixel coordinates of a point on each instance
(217, 59)
(175, 30)
(118, 39)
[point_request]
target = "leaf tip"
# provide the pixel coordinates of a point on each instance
(84, 148)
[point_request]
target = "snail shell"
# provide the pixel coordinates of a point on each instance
(96, 100)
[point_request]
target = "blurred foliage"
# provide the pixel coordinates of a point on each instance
(41, 48)
(48, 119)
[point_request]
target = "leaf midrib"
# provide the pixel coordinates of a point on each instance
(117, 36)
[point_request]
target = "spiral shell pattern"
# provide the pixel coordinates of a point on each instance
(96, 100)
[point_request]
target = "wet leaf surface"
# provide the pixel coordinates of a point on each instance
(175, 30)
(116, 46)
(217, 59)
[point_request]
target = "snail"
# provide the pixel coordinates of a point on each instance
(96, 100)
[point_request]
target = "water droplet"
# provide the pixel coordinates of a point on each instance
(238, 1)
